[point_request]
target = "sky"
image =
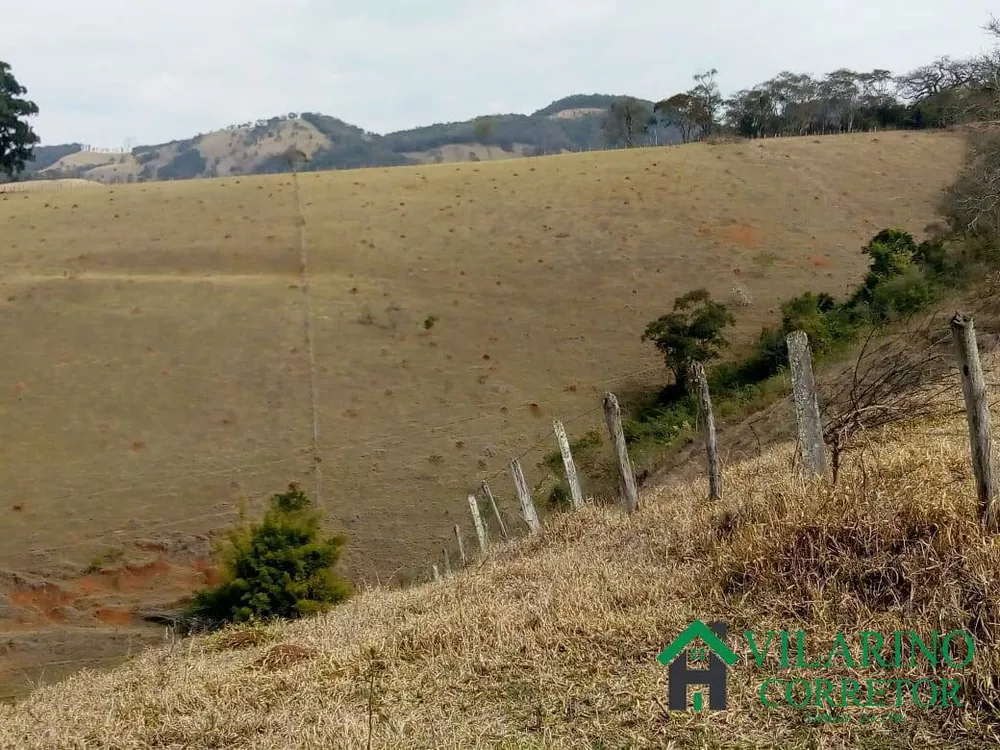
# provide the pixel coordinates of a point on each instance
(111, 73)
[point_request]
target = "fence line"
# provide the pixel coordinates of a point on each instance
(805, 402)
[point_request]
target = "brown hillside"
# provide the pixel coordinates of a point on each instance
(159, 372)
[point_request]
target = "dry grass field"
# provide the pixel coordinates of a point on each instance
(156, 372)
(551, 642)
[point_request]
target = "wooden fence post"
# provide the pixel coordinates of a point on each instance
(477, 521)
(613, 417)
(496, 511)
(437, 573)
(705, 402)
(575, 493)
(461, 547)
(806, 404)
(524, 495)
(978, 414)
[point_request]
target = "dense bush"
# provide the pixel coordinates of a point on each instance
(583, 449)
(902, 295)
(279, 567)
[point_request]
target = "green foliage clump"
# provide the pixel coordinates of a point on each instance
(693, 332)
(17, 139)
(279, 567)
(559, 498)
(902, 295)
(903, 277)
(585, 450)
(663, 425)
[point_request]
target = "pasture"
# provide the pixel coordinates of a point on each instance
(157, 374)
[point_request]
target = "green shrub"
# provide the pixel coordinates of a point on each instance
(809, 312)
(278, 567)
(894, 255)
(902, 295)
(661, 426)
(559, 498)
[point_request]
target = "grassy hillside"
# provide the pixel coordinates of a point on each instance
(162, 376)
(552, 642)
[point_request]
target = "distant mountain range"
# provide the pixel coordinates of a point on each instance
(573, 123)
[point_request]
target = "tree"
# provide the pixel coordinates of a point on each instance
(681, 111)
(276, 568)
(695, 111)
(627, 118)
(750, 112)
(691, 333)
(706, 93)
(484, 133)
(17, 139)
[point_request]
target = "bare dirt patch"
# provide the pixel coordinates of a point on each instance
(742, 236)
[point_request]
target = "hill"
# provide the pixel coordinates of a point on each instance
(163, 378)
(553, 641)
(569, 124)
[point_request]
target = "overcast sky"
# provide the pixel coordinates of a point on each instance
(103, 71)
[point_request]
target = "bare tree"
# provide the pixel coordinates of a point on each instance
(972, 202)
(896, 377)
(484, 133)
(899, 375)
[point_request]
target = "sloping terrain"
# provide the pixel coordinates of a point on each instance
(552, 641)
(161, 373)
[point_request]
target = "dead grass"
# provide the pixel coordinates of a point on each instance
(551, 642)
(239, 637)
(162, 375)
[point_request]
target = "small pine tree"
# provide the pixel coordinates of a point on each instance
(278, 567)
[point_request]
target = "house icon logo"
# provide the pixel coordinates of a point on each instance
(684, 651)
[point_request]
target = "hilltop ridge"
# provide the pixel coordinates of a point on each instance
(572, 123)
